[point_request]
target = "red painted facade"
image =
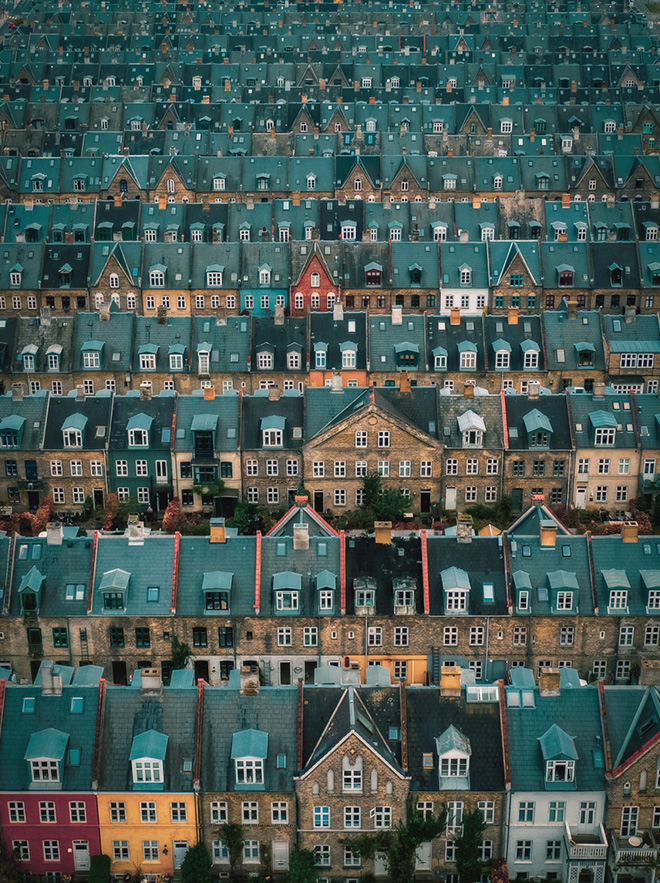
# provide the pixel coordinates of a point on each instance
(315, 289)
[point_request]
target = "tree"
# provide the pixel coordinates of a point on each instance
(181, 653)
(469, 865)
(196, 866)
(384, 505)
(173, 518)
(99, 868)
(301, 867)
(232, 834)
(42, 516)
(400, 843)
(500, 873)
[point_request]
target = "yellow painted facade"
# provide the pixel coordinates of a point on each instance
(416, 668)
(164, 833)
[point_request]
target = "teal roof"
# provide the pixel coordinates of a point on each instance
(149, 349)
(562, 579)
(177, 349)
(94, 345)
(650, 578)
(149, 744)
(217, 581)
(405, 347)
(583, 345)
(32, 581)
(535, 421)
(115, 580)
(326, 580)
(634, 346)
(454, 578)
(13, 421)
(602, 418)
(140, 421)
(528, 345)
(522, 677)
(49, 743)
(204, 423)
(286, 579)
(500, 344)
(521, 579)
(249, 743)
(466, 346)
(555, 743)
(75, 421)
(273, 422)
(616, 579)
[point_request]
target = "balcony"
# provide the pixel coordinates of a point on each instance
(586, 843)
(641, 850)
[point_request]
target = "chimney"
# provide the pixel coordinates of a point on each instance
(150, 681)
(533, 390)
(382, 533)
(629, 532)
(278, 319)
(455, 316)
(51, 682)
(117, 200)
(209, 393)
(631, 315)
(104, 313)
(17, 392)
(397, 315)
(135, 531)
(566, 200)
(549, 681)
(249, 680)
(404, 382)
(162, 315)
(80, 392)
(335, 382)
(273, 394)
(218, 531)
(599, 389)
(476, 202)
(489, 134)
(54, 533)
(145, 391)
(300, 537)
(548, 534)
(337, 312)
(464, 528)
(571, 309)
(468, 390)
(450, 680)
(512, 316)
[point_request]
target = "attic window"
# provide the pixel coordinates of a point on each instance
(29, 705)
(427, 761)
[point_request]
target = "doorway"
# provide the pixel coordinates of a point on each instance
(119, 677)
(81, 855)
(318, 501)
(202, 670)
(425, 502)
(450, 499)
(179, 850)
(98, 497)
(285, 674)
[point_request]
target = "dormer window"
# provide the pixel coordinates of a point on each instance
(147, 355)
(263, 182)
(272, 432)
(456, 588)
(15, 276)
(72, 431)
(468, 355)
(293, 360)
(439, 233)
(176, 354)
(264, 275)
(404, 595)
(530, 350)
(218, 182)
(604, 425)
(249, 749)
(465, 275)
(138, 430)
(566, 275)
(214, 275)
(559, 753)
(265, 360)
(28, 354)
(157, 278)
(326, 583)
(348, 231)
(439, 358)
(287, 587)
(113, 588)
(373, 274)
(29, 590)
(616, 276)
(38, 183)
(10, 431)
(53, 356)
(365, 595)
(415, 274)
(45, 755)
(64, 276)
(497, 182)
(502, 350)
(216, 587)
(472, 428)
(311, 182)
(538, 429)
(454, 752)
(348, 354)
(320, 355)
(147, 760)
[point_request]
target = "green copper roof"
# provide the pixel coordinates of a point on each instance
(49, 743)
(217, 581)
(555, 743)
(149, 744)
(535, 421)
(249, 743)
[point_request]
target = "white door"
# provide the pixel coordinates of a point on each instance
(423, 857)
(380, 865)
(81, 855)
(581, 498)
(280, 852)
(179, 850)
(161, 471)
(450, 498)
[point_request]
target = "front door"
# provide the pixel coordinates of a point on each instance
(285, 674)
(119, 673)
(202, 670)
(581, 498)
(179, 850)
(280, 855)
(98, 497)
(81, 855)
(450, 499)
(424, 502)
(33, 500)
(318, 501)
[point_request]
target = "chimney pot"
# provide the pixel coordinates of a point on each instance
(629, 532)
(383, 533)
(218, 532)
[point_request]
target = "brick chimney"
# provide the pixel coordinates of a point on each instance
(404, 382)
(249, 683)
(300, 537)
(150, 681)
(629, 532)
(383, 533)
(549, 682)
(450, 680)
(464, 528)
(455, 316)
(218, 532)
(209, 393)
(54, 533)
(548, 534)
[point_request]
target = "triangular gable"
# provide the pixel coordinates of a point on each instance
(301, 513)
